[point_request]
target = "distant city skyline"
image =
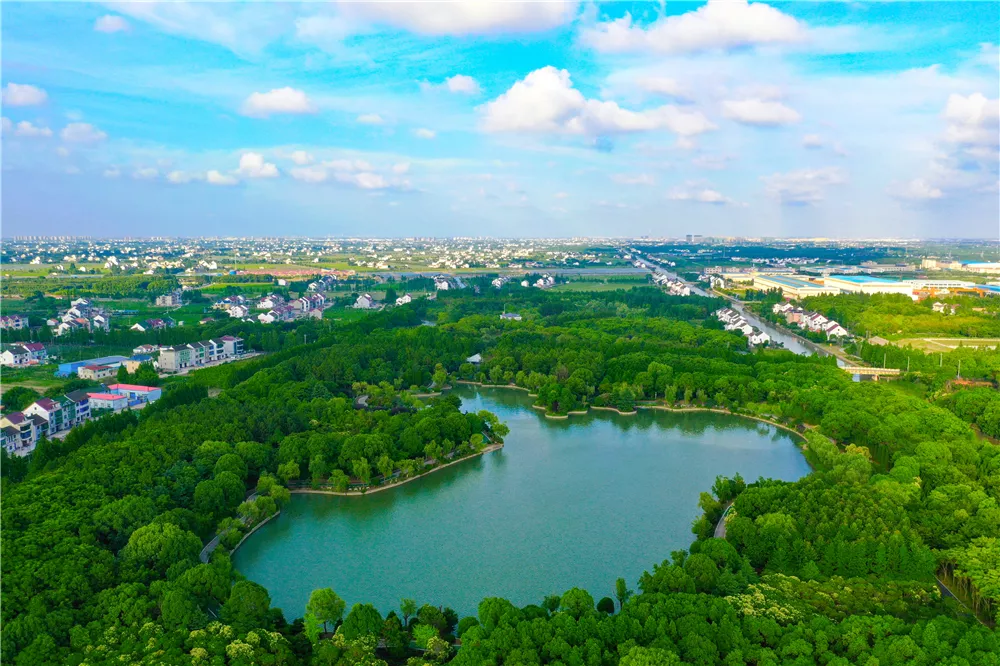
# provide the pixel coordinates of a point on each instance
(549, 120)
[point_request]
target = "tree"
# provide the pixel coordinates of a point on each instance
(326, 606)
(408, 607)
(606, 605)
(122, 374)
(288, 471)
(363, 619)
(17, 398)
(362, 470)
(622, 593)
(576, 602)
(154, 548)
(247, 607)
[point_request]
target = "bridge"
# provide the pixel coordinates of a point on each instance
(871, 372)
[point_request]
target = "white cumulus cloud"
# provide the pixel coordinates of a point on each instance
(698, 194)
(917, 189)
(812, 141)
(460, 83)
(370, 119)
(972, 120)
(277, 101)
(145, 173)
(464, 17)
(546, 101)
(82, 133)
(214, 177)
(112, 172)
(252, 165)
(633, 179)
(720, 24)
(803, 186)
(302, 157)
(424, 133)
(111, 23)
(760, 112)
(22, 94)
(181, 177)
(25, 128)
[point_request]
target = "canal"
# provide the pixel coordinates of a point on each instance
(566, 503)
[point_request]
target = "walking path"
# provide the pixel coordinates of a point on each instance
(206, 552)
(720, 527)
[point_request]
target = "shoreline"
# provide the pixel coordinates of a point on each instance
(255, 528)
(388, 486)
(663, 408)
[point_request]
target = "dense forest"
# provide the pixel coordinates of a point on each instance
(102, 531)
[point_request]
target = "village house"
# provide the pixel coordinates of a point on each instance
(270, 302)
(195, 354)
(145, 349)
(15, 356)
(944, 308)
(136, 394)
(132, 364)
(404, 299)
(112, 401)
(96, 372)
(510, 316)
(14, 322)
(365, 302)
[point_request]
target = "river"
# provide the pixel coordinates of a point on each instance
(565, 503)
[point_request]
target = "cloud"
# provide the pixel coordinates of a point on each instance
(310, 174)
(718, 25)
(633, 179)
(917, 189)
(812, 141)
(546, 101)
(213, 177)
(323, 29)
(424, 133)
(462, 84)
(804, 186)
(662, 85)
(110, 23)
(972, 120)
(759, 112)
(26, 129)
(8, 126)
(279, 100)
(182, 177)
(401, 167)
(82, 133)
(561, 195)
(302, 157)
(252, 165)
(112, 172)
(464, 17)
(22, 94)
(713, 162)
(698, 194)
(146, 173)
(370, 119)
(365, 180)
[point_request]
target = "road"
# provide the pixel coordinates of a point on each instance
(720, 527)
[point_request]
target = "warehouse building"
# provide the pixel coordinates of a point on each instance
(792, 287)
(866, 284)
(71, 368)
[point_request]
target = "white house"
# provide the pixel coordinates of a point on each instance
(758, 338)
(365, 302)
(15, 355)
(404, 299)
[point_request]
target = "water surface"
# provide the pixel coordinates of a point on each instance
(566, 503)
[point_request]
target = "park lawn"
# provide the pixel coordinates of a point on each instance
(586, 285)
(345, 315)
(935, 344)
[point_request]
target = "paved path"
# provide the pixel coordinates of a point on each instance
(720, 527)
(206, 552)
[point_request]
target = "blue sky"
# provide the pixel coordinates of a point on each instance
(503, 119)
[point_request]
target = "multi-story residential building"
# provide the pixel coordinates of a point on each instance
(180, 357)
(13, 322)
(15, 356)
(51, 411)
(96, 372)
(76, 406)
(169, 300)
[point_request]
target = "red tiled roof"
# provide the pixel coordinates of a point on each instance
(106, 396)
(96, 367)
(33, 346)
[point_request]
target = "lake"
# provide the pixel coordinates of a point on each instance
(566, 503)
